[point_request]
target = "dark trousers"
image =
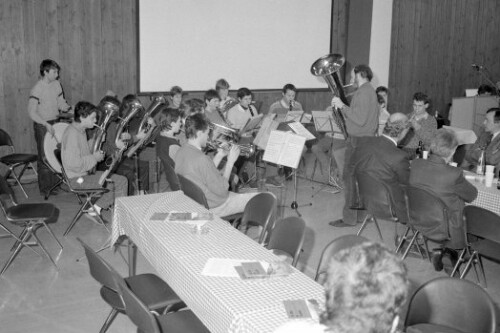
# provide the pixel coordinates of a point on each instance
(126, 168)
(46, 178)
(351, 216)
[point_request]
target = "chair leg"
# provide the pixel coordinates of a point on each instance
(109, 320)
(363, 225)
(412, 241)
(378, 228)
(59, 182)
(459, 262)
(480, 259)
(403, 239)
(26, 236)
(44, 249)
(52, 233)
(18, 181)
(468, 264)
(34, 169)
(75, 219)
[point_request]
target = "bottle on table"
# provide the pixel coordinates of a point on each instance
(420, 150)
(480, 163)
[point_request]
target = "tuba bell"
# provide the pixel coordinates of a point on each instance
(328, 67)
(108, 109)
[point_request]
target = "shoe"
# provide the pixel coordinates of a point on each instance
(340, 224)
(437, 259)
(450, 258)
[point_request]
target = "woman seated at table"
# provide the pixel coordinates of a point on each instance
(366, 288)
(424, 126)
(448, 183)
(167, 144)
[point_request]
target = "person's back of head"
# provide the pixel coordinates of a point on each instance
(444, 144)
(397, 126)
(366, 287)
(194, 123)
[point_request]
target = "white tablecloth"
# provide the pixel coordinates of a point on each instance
(487, 197)
(179, 255)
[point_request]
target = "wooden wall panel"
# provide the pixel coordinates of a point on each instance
(95, 42)
(434, 43)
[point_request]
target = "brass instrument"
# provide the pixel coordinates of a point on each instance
(158, 102)
(328, 67)
(225, 137)
(132, 108)
(109, 110)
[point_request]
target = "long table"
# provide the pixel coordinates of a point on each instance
(223, 304)
(487, 197)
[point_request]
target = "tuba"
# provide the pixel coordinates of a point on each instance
(225, 137)
(131, 109)
(328, 67)
(156, 105)
(108, 108)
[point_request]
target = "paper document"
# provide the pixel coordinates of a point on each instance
(223, 267)
(299, 116)
(324, 122)
(299, 129)
(252, 123)
(268, 125)
(284, 148)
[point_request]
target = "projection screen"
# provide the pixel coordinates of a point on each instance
(259, 44)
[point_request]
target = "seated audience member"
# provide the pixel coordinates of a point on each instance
(126, 167)
(192, 106)
(485, 90)
(192, 163)
(238, 115)
(383, 115)
(488, 141)
(77, 159)
(175, 97)
(366, 289)
(380, 158)
(287, 102)
(449, 184)
(383, 92)
(167, 144)
(226, 101)
(212, 110)
(424, 126)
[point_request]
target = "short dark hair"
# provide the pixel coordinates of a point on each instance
(48, 64)
(175, 90)
(395, 128)
(380, 99)
(83, 110)
(421, 97)
(242, 92)
(210, 94)
(194, 123)
(485, 88)
(444, 143)
(195, 105)
(496, 116)
(288, 86)
(221, 84)
(168, 116)
(365, 71)
(381, 89)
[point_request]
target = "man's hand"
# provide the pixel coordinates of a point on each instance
(414, 123)
(337, 103)
(50, 129)
(120, 144)
(125, 136)
(141, 135)
(99, 156)
(233, 155)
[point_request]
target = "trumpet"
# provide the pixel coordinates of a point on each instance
(246, 150)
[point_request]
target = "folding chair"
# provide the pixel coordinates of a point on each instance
(287, 237)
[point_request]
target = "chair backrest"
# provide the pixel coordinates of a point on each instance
(137, 311)
(428, 213)
(192, 190)
(456, 303)
(259, 211)
(288, 236)
(482, 223)
(375, 196)
(100, 270)
(335, 246)
(7, 198)
(5, 139)
(57, 154)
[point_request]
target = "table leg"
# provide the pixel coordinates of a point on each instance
(132, 257)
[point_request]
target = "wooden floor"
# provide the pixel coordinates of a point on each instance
(37, 297)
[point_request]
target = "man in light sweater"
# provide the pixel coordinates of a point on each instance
(192, 163)
(78, 160)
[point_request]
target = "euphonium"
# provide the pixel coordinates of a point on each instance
(145, 126)
(328, 67)
(108, 108)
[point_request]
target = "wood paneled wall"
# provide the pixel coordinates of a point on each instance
(434, 43)
(95, 42)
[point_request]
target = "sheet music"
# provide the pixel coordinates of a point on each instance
(299, 129)
(274, 145)
(294, 115)
(284, 148)
(252, 123)
(268, 125)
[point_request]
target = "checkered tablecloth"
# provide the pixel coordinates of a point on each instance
(487, 197)
(179, 255)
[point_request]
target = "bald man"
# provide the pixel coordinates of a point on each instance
(380, 158)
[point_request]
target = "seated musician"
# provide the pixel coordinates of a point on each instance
(78, 161)
(212, 111)
(167, 144)
(175, 97)
(423, 125)
(286, 103)
(238, 115)
(366, 289)
(192, 163)
(126, 166)
(226, 101)
(488, 141)
(448, 183)
(191, 106)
